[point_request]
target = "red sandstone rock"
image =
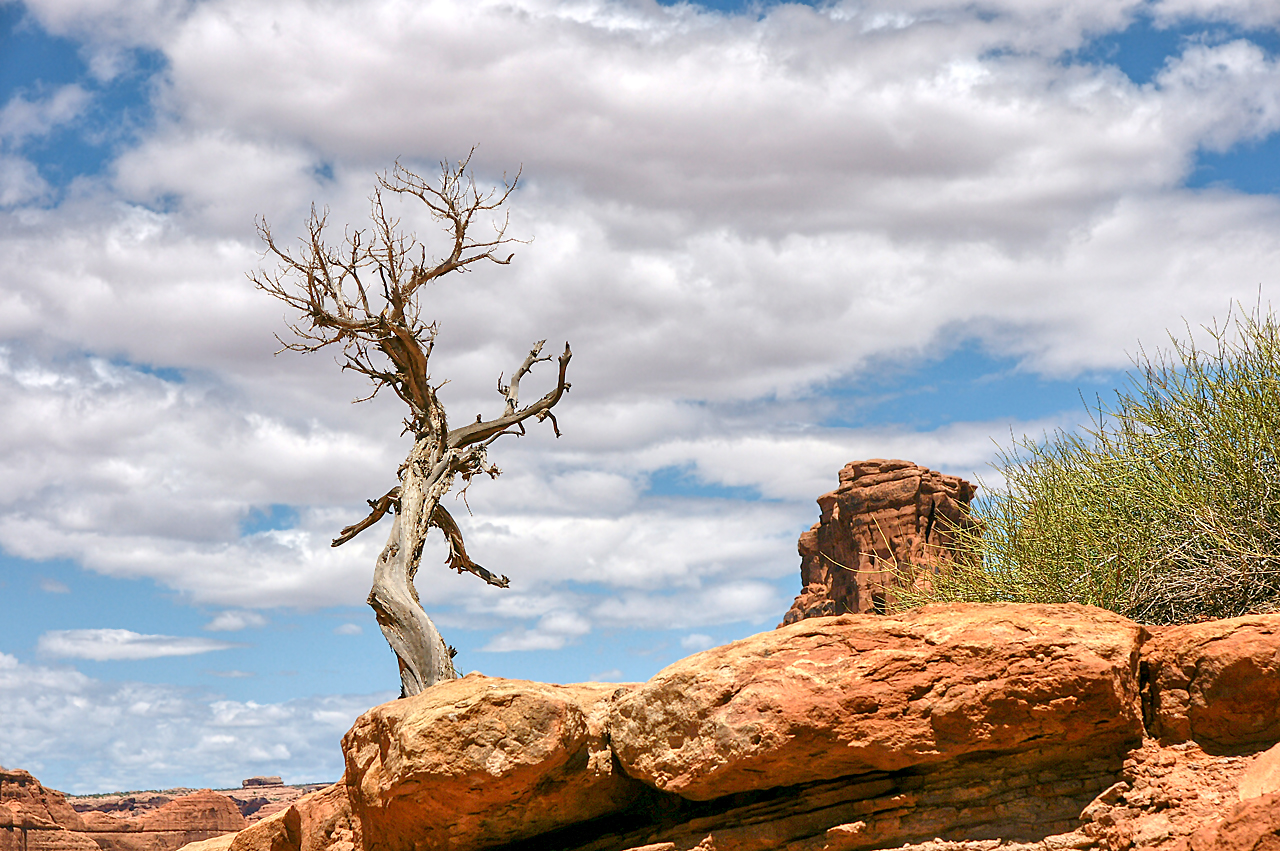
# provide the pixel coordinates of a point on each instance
(33, 818)
(1217, 683)
(320, 821)
(1252, 825)
(481, 761)
(884, 516)
(830, 697)
(1262, 776)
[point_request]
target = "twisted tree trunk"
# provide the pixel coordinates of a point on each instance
(423, 656)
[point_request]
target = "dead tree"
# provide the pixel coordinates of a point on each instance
(361, 296)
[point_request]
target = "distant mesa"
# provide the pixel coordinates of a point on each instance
(274, 780)
(35, 818)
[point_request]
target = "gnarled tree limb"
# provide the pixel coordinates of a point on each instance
(362, 296)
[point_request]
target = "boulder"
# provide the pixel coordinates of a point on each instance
(830, 697)
(886, 520)
(481, 761)
(1262, 777)
(1252, 825)
(1216, 683)
(218, 843)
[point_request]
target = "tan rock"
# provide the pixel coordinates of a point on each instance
(320, 821)
(1217, 683)
(829, 697)
(482, 761)
(1262, 777)
(1252, 825)
(886, 515)
(218, 843)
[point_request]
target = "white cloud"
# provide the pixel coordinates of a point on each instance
(613, 675)
(21, 118)
(697, 641)
(349, 629)
(20, 181)
(234, 621)
(82, 735)
(109, 644)
(730, 213)
(553, 631)
(53, 586)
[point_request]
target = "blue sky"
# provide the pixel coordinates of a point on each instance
(780, 238)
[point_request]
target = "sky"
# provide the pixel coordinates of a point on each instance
(779, 237)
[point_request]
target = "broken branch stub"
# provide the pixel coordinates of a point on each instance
(362, 296)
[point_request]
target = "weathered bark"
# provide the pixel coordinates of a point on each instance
(420, 649)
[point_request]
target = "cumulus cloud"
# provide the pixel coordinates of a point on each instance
(20, 181)
(730, 215)
(21, 118)
(234, 621)
(81, 735)
(612, 675)
(112, 644)
(697, 641)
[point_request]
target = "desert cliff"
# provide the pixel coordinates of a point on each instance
(1050, 727)
(33, 818)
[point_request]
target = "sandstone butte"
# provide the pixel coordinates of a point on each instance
(886, 516)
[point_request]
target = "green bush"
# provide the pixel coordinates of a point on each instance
(1166, 510)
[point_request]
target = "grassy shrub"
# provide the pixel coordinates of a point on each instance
(1167, 510)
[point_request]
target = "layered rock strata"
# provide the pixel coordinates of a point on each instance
(254, 802)
(950, 727)
(33, 818)
(889, 521)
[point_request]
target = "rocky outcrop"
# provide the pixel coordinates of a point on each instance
(950, 728)
(855, 694)
(888, 521)
(477, 762)
(33, 818)
(194, 817)
(1216, 683)
(1252, 825)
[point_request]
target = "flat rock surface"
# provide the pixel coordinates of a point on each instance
(829, 697)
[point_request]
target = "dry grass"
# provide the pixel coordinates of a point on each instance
(1166, 510)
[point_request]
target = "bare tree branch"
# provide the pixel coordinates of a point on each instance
(362, 296)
